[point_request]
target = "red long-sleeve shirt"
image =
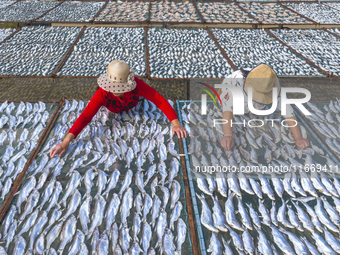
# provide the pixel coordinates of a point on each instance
(116, 104)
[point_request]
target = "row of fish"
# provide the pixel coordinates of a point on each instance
(319, 12)
(220, 12)
(63, 223)
(151, 212)
(100, 45)
(74, 11)
(335, 30)
(335, 6)
(189, 53)
(273, 13)
(284, 210)
(185, 53)
(164, 11)
(26, 10)
(124, 11)
(36, 50)
(267, 145)
(248, 48)
(319, 46)
(19, 136)
(5, 3)
(5, 32)
(252, 227)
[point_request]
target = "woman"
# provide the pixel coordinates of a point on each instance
(262, 79)
(119, 91)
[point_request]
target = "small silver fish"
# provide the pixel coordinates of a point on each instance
(77, 241)
(67, 232)
(112, 211)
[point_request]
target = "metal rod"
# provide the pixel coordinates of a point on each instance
(193, 193)
(25, 76)
(198, 12)
(30, 101)
(101, 9)
(149, 13)
(296, 53)
(336, 35)
(11, 35)
(68, 52)
(244, 10)
(222, 51)
(34, 20)
(286, 7)
(17, 183)
(187, 194)
(147, 56)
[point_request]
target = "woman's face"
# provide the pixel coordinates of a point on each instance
(118, 94)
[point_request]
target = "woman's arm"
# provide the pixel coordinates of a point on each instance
(90, 110)
(227, 141)
(299, 140)
(152, 95)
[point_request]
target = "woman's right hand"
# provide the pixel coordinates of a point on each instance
(227, 142)
(59, 149)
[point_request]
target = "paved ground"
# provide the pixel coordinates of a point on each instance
(322, 89)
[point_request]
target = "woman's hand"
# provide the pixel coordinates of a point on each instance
(302, 143)
(227, 142)
(59, 149)
(178, 129)
(62, 147)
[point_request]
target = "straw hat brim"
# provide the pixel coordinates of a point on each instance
(261, 97)
(115, 87)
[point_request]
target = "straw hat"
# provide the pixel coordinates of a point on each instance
(262, 79)
(118, 78)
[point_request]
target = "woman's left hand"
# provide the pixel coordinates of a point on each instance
(302, 143)
(180, 131)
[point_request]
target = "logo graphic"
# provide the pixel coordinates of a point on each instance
(204, 97)
(239, 100)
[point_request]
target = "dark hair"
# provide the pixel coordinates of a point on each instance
(97, 88)
(244, 72)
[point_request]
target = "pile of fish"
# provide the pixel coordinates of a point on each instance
(248, 212)
(5, 32)
(164, 11)
(334, 5)
(273, 13)
(185, 53)
(321, 13)
(319, 46)
(26, 10)
(73, 11)
(220, 12)
(21, 125)
(36, 50)
(124, 11)
(116, 190)
(248, 48)
(5, 3)
(326, 121)
(98, 46)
